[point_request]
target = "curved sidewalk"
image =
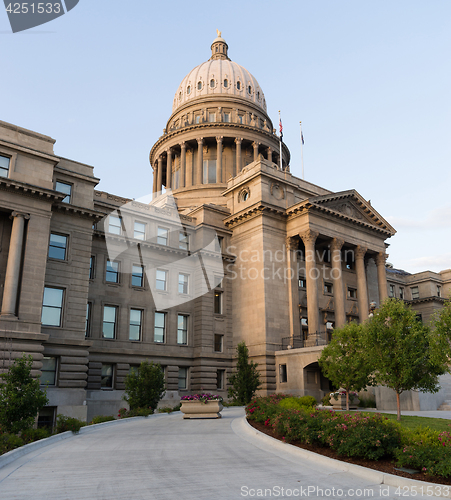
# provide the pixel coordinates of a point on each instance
(166, 457)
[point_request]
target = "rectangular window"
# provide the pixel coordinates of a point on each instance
(198, 119)
(115, 225)
(439, 291)
(160, 327)
(218, 302)
(209, 171)
(57, 246)
(219, 343)
(240, 118)
(283, 374)
(112, 271)
(352, 293)
(92, 262)
(329, 325)
(328, 288)
(301, 282)
(88, 320)
(183, 378)
(415, 292)
(63, 187)
(183, 241)
(162, 236)
(161, 281)
(226, 117)
(391, 290)
(107, 376)
(48, 371)
(135, 324)
(211, 117)
(139, 231)
(401, 293)
(220, 379)
(109, 322)
(182, 329)
(183, 283)
(4, 166)
(137, 275)
(220, 244)
(52, 306)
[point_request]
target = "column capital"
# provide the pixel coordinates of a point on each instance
(182, 145)
(160, 159)
(360, 252)
(255, 144)
(168, 151)
(336, 244)
(269, 148)
(219, 138)
(238, 140)
(292, 243)
(200, 140)
(309, 236)
(20, 214)
(381, 258)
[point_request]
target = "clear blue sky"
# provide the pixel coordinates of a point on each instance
(371, 82)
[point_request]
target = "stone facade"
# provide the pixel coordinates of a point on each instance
(232, 247)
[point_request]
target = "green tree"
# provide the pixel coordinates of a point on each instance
(442, 325)
(246, 380)
(405, 354)
(344, 361)
(20, 396)
(146, 387)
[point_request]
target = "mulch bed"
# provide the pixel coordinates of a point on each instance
(383, 465)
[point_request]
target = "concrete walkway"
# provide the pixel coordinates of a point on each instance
(166, 457)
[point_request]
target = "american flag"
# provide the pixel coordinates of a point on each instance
(280, 128)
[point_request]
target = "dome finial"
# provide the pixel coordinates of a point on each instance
(219, 47)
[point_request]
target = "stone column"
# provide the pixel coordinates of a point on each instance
(11, 288)
(337, 276)
(293, 287)
(182, 163)
(169, 169)
(362, 290)
(312, 275)
(381, 257)
(189, 168)
(270, 155)
(219, 159)
(238, 156)
(154, 186)
(160, 174)
(200, 160)
(255, 146)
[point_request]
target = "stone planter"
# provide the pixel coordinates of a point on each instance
(340, 403)
(197, 409)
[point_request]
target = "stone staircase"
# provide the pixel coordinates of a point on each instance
(445, 406)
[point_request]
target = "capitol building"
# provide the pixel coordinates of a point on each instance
(231, 248)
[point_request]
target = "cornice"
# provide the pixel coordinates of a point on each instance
(29, 190)
(252, 212)
(426, 299)
(79, 211)
(34, 152)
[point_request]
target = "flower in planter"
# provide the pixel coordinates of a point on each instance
(203, 398)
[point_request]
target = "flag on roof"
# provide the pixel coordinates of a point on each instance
(280, 127)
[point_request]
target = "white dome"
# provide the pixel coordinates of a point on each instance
(219, 76)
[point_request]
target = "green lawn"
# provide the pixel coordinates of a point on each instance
(410, 422)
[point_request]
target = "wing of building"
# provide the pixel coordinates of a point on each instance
(232, 248)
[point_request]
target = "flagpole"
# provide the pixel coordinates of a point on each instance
(281, 135)
(302, 151)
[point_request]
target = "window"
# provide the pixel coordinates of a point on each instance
(220, 243)
(220, 379)
(182, 329)
(135, 324)
(219, 343)
(183, 283)
(439, 291)
(211, 117)
(92, 264)
(183, 378)
(57, 246)
(352, 293)
(218, 302)
(209, 171)
(48, 371)
(161, 281)
(328, 288)
(160, 327)
(240, 118)
(212, 83)
(188, 89)
(249, 89)
(226, 83)
(137, 275)
(52, 306)
(46, 417)
(88, 320)
(238, 85)
(282, 373)
(401, 293)
(62, 187)
(115, 225)
(415, 292)
(4, 166)
(419, 318)
(391, 290)
(112, 271)
(162, 236)
(226, 117)
(139, 231)
(109, 322)
(198, 119)
(199, 85)
(301, 282)
(107, 376)
(329, 325)
(183, 241)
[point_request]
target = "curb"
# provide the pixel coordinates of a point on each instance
(409, 487)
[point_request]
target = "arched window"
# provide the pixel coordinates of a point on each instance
(199, 85)
(212, 83)
(188, 90)
(238, 85)
(180, 96)
(217, 48)
(249, 89)
(226, 83)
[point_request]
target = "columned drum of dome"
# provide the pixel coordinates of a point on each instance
(218, 126)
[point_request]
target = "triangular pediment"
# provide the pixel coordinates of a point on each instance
(353, 206)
